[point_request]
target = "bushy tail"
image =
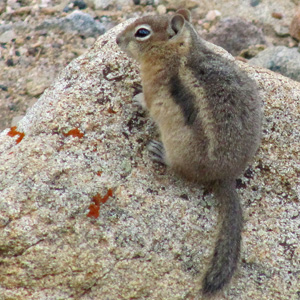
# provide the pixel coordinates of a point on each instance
(227, 249)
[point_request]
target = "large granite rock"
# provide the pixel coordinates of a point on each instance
(84, 148)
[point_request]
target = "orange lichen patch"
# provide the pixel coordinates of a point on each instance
(95, 207)
(75, 133)
(13, 132)
(97, 199)
(94, 211)
(111, 111)
(108, 194)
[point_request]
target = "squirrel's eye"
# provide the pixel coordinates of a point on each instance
(142, 33)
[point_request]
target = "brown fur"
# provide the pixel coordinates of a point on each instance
(209, 116)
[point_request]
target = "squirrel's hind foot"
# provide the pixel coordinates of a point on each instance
(157, 152)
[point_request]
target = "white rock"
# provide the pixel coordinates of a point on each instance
(161, 9)
(213, 15)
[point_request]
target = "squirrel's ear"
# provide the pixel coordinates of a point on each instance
(185, 13)
(177, 23)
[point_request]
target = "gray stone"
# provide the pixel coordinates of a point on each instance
(235, 35)
(154, 235)
(254, 2)
(83, 23)
(281, 30)
(77, 22)
(281, 59)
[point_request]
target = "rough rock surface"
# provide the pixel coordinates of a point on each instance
(283, 60)
(155, 232)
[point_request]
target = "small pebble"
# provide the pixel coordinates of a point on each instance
(3, 87)
(277, 15)
(9, 62)
(80, 4)
(254, 2)
(295, 27)
(213, 15)
(161, 9)
(281, 30)
(16, 120)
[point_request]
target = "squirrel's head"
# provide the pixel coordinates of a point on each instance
(154, 33)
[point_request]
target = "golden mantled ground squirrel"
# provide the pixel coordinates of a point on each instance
(209, 115)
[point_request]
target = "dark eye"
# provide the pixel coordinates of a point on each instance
(142, 32)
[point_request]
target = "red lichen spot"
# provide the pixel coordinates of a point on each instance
(99, 173)
(75, 133)
(95, 207)
(13, 132)
(111, 111)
